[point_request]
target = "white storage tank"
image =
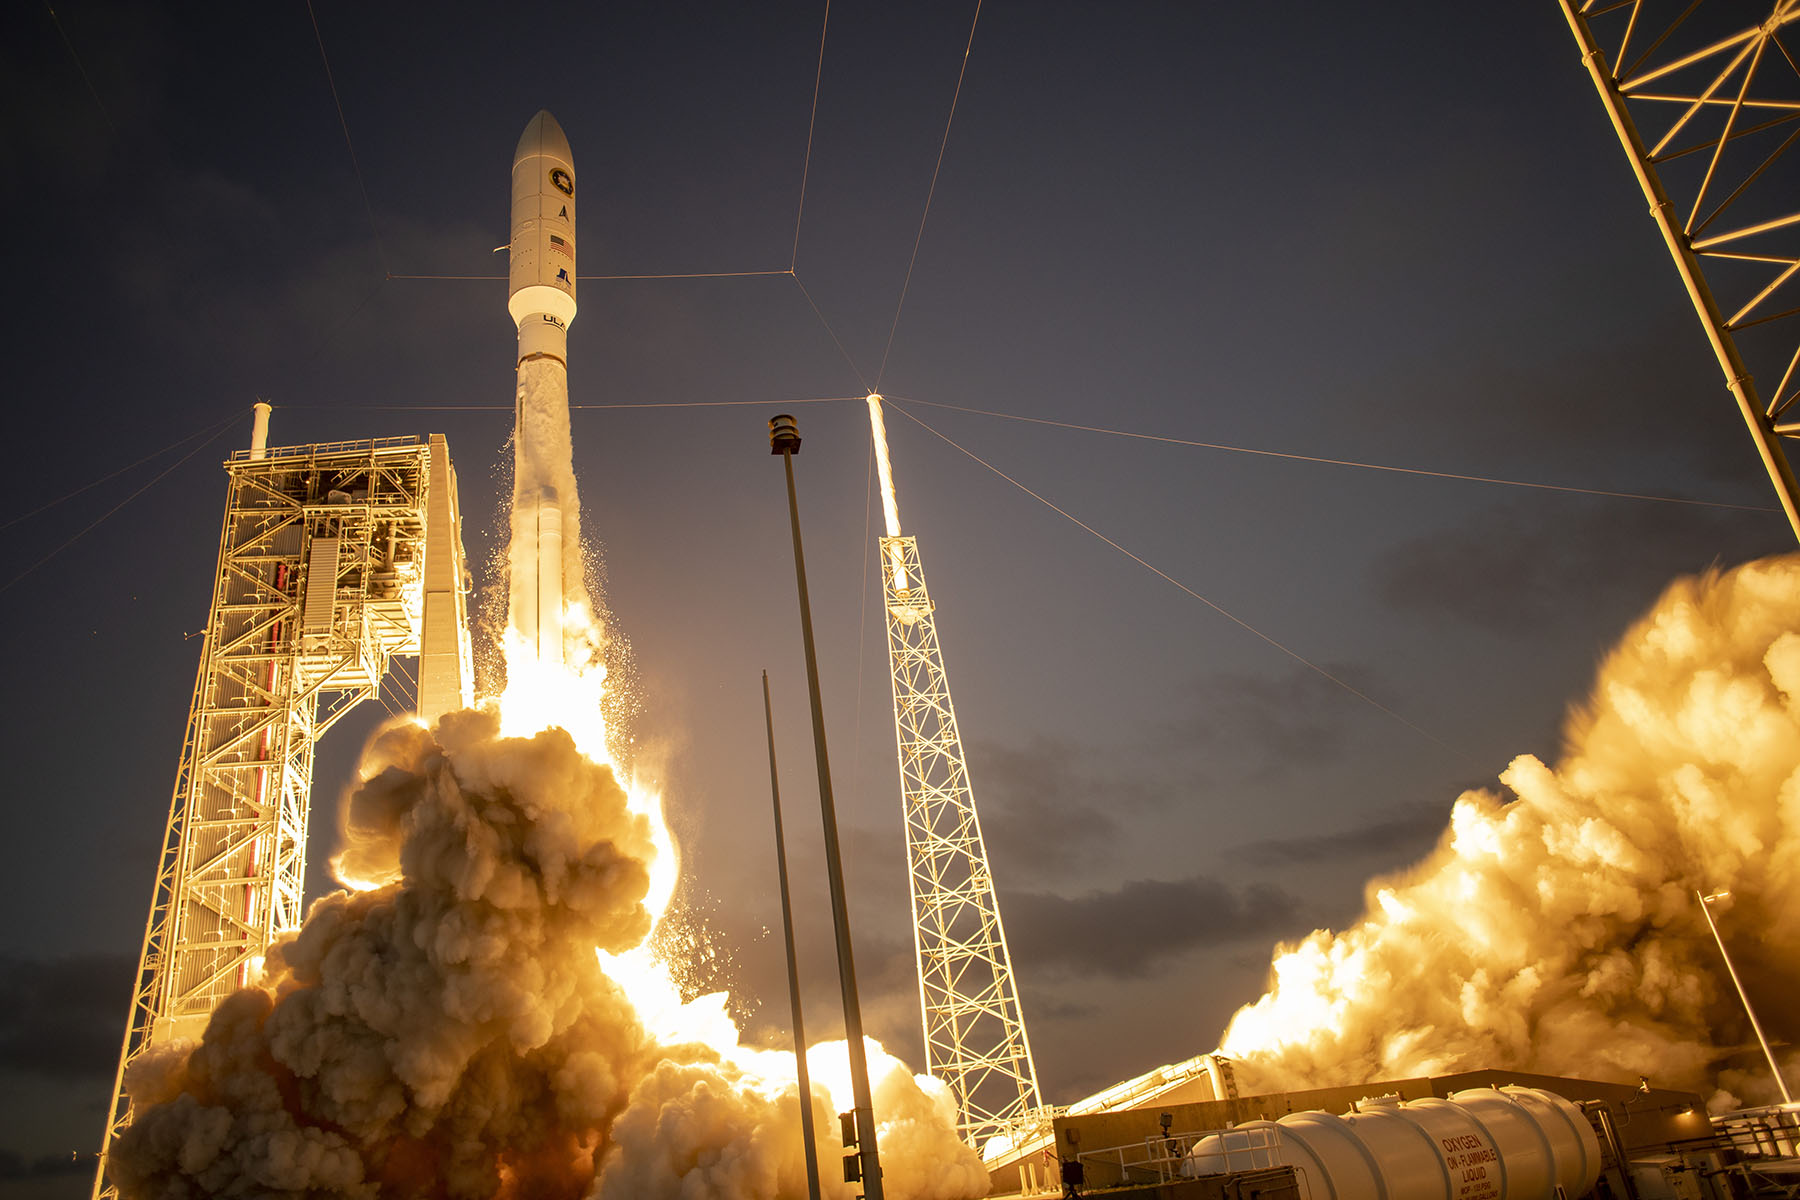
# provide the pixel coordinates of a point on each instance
(1512, 1143)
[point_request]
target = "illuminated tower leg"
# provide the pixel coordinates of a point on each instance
(974, 1030)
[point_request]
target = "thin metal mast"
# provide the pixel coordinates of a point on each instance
(807, 1140)
(863, 1164)
(323, 575)
(975, 1038)
(1722, 103)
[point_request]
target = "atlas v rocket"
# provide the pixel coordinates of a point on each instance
(541, 299)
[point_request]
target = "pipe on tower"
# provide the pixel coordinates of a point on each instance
(259, 430)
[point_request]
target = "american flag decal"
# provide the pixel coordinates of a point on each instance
(558, 246)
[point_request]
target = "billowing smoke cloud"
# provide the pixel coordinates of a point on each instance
(1558, 930)
(711, 1127)
(449, 1031)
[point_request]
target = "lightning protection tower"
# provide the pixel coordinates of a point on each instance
(1706, 107)
(333, 559)
(974, 1029)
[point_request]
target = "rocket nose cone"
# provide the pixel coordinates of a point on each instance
(543, 136)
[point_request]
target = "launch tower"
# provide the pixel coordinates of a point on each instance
(974, 1029)
(333, 559)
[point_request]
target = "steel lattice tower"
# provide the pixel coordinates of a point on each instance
(975, 1038)
(333, 559)
(1707, 109)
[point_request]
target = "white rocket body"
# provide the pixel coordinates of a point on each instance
(541, 299)
(541, 282)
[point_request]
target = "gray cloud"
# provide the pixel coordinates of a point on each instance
(1046, 805)
(1615, 409)
(1127, 931)
(1270, 722)
(1403, 832)
(63, 1017)
(1049, 1006)
(1512, 568)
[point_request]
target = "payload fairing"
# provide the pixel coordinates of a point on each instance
(541, 299)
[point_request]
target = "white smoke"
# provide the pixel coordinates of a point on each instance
(450, 1031)
(712, 1126)
(1557, 930)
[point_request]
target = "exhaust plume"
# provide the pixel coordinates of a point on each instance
(561, 683)
(1557, 930)
(451, 1030)
(447, 1032)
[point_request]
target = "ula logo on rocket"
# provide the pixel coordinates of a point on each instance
(559, 179)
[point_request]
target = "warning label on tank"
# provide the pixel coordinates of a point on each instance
(1474, 1167)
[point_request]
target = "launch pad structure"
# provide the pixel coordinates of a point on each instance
(333, 559)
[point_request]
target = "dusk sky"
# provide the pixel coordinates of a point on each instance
(1399, 235)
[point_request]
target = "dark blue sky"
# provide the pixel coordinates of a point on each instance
(1398, 234)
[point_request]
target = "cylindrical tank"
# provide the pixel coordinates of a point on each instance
(1512, 1143)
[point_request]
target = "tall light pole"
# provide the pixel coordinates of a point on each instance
(1739, 984)
(784, 439)
(793, 964)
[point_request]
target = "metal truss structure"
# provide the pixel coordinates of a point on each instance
(324, 575)
(974, 1030)
(1708, 110)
